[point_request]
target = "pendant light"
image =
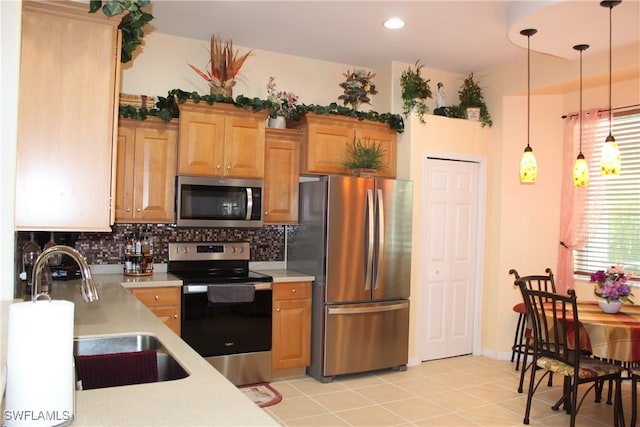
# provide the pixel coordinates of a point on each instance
(581, 168)
(528, 164)
(610, 161)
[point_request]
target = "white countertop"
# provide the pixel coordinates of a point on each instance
(205, 397)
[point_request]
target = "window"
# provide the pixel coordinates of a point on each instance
(613, 220)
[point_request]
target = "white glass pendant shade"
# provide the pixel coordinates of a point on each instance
(581, 172)
(610, 161)
(528, 167)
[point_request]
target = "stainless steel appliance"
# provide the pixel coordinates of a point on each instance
(354, 236)
(218, 202)
(226, 308)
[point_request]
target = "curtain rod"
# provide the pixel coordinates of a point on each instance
(570, 116)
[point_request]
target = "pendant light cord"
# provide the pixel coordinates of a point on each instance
(610, 36)
(581, 100)
(529, 89)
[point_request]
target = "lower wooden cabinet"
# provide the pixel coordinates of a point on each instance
(291, 347)
(164, 302)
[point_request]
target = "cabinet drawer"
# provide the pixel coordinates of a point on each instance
(158, 297)
(293, 290)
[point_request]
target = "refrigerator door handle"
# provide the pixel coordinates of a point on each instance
(369, 242)
(380, 237)
(361, 310)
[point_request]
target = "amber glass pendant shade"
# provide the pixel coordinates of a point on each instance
(528, 167)
(610, 161)
(581, 172)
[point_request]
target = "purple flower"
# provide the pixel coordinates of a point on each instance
(612, 284)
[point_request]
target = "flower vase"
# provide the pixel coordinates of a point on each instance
(610, 307)
(224, 89)
(278, 122)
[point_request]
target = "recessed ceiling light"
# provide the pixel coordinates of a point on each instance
(394, 23)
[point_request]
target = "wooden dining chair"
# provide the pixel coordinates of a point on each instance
(635, 377)
(553, 320)
(520, 346)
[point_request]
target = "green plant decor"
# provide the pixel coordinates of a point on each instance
(167, 108)
(364, 155)
(131, 25)
(471, 96)
(415, 91)
(358, 87)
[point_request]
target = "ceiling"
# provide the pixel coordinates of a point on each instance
(454, 36)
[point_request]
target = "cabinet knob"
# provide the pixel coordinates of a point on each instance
(266, 213)
(127, 210)
(138, 210)
(277, 309)
(228, 167)
(157, 297)
(175, 316)
(218, 166)
(293, 291)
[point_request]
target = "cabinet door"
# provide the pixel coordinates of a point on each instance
(66, 118)
(170, 316)
(200, 150)
(326, 148)
(291, 346)
(282, 164)
(244, 147)
(124, 174)
(292, 334)
(388, 141)
(154, 174)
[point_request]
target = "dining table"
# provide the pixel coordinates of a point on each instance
(610, 336)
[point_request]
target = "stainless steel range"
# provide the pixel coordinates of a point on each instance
(226, 308)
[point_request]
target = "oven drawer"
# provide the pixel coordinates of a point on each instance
(291, 290)
(158, 297)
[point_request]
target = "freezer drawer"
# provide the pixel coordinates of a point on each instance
(366, 337)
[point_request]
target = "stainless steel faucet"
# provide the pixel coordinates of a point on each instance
(88, 286)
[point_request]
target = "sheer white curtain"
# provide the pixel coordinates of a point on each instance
(574, 199)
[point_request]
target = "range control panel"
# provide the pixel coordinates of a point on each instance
(205, 251)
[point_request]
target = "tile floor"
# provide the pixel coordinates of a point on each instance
(461, 391)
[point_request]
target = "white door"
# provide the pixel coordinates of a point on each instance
(450, 231)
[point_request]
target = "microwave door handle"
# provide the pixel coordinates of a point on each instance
(249, 204)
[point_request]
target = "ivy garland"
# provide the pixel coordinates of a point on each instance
(168, 108)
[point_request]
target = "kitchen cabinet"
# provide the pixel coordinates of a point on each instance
(221, 140)
(291, 346)
(67, 115)
(145, 171)
(282, 166)
(164, 302)
(324, 146)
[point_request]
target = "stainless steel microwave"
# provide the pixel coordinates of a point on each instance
(218, 202)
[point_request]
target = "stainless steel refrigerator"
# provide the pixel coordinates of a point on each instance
(354, 236)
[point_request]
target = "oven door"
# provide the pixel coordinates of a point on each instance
(229, 325)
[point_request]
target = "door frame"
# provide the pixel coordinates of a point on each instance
(480, 245)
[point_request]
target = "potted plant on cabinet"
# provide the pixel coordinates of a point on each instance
(415, 91)
(471, 97)
(223, 67)
(283, 104)
(364, 158)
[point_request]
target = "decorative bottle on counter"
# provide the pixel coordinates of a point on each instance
(138, 254)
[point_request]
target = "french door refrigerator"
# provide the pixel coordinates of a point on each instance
(354, 236)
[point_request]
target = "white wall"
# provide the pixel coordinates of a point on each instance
(9, 33)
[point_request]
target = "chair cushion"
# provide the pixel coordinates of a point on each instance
(520, 308)
(635, 371)
(589, 368)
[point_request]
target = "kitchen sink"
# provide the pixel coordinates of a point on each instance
(111, 347)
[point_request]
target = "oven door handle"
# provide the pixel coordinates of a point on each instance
(202, 289)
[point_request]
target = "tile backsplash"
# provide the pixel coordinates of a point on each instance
(267, 243)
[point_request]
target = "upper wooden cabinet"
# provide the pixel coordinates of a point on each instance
(221, 140)
(282, 165)
(145, 170)
(67, 115)
(324, 147)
